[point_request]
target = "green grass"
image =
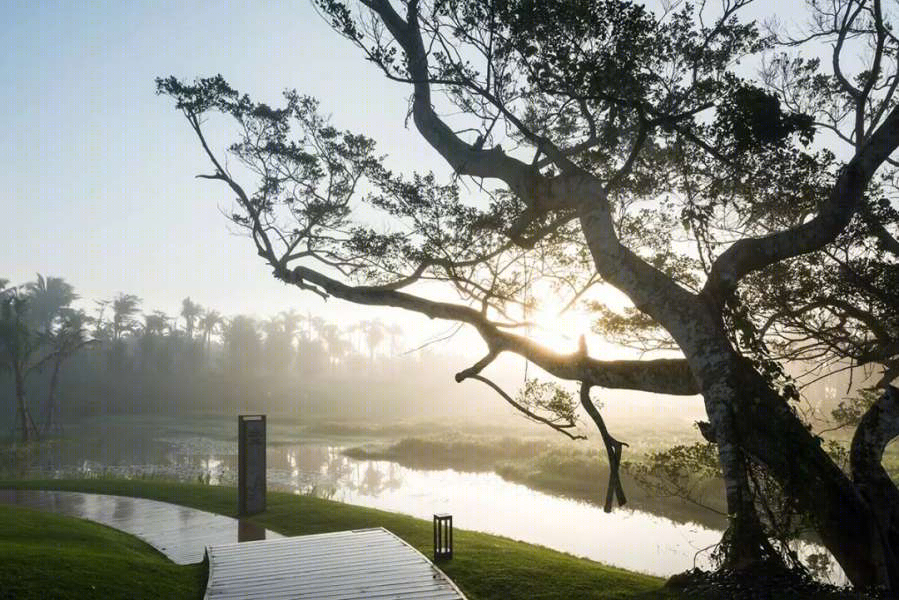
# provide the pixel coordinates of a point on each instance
(485, 566)
(44, 556)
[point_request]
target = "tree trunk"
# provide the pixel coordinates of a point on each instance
(21, 407)
(745, 543)
(51, 395)
(878, 427)
(770, 432)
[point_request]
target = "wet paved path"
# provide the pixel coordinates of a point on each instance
(180, 533)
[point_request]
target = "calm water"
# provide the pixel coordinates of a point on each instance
(485, 502)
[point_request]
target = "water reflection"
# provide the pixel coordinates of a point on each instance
(633, 540)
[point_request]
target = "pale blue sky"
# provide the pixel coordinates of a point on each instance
(99, 171)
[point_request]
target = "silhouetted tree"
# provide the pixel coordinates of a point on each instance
(617, 107)
(19, 352)
(47, 298)
(242, 344)
(278, 344)
(124, 309)
(209, 322)
(67, 337)
(374, 335)
(396, 334)
(190, 311)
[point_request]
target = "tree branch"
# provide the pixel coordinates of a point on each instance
(613, 450)
(752, 254)
(563, 429)
(662, 376)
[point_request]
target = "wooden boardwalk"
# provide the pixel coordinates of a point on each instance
(181, 533)
(347, 565)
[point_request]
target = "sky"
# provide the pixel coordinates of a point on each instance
(99, 171)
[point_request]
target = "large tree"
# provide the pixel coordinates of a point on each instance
(620, 126)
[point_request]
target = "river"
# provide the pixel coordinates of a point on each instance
(483, 501)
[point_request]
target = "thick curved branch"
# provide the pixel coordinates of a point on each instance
(662, 376)
(753, 254)
(648, 288)
(890, 243)
(464, 158)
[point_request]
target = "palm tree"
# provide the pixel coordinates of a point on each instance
(46, 298)
(374, 335)
(124, 308)
(317, 324)
(190, 311)
(155, 323)
(154, 326)
(338, 347)
(210, 320)
(65, 340)
(241, 335)
(396, 333)
(19, 344)
(291, 320)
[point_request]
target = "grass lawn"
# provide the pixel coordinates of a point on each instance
(484, 566)
(46, 556)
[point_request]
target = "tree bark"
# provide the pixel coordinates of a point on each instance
(879, 425)
(772, 434)
(745, 542)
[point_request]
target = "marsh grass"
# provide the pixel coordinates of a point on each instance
(573, 471)
(462, 453)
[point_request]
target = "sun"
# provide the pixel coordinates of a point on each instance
(558, 323)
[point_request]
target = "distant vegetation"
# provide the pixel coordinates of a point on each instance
(574, 470)
(130, 360)
(463, 454)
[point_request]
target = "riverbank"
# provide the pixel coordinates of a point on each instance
(561, 470)
(486, 567)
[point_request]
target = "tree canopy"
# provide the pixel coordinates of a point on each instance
(610, 145)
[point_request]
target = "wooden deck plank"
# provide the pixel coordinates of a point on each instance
(348, 565)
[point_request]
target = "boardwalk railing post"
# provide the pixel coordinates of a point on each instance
(250, 464)
(443, 537)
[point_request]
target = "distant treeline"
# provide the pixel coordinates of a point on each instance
(133, 361)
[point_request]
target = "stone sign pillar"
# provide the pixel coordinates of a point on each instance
(250, 464)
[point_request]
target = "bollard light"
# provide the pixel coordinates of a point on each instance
(443, 537)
